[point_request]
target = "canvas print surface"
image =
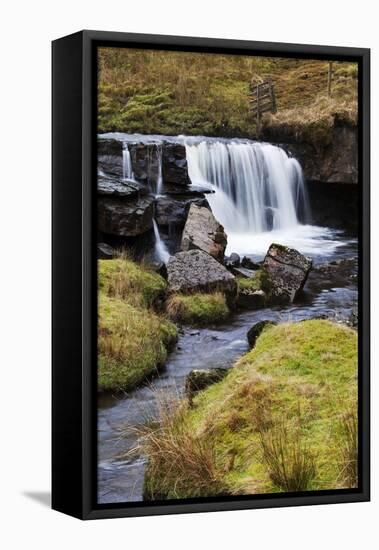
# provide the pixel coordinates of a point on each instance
(227, 221)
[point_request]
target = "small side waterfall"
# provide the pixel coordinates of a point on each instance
(127, 170)
(259, 188)
(161, 252)
(159, 182)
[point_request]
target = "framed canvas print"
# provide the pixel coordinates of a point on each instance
(210, 274)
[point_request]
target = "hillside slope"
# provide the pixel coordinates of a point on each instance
(178, 92)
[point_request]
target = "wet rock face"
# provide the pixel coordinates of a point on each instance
(116, 187)
(196, 271)
(145, 159)
(200, 379)
(287, 271)
(174, 164)
(256, 330)
(174, 211)
(125, 218)
(334, 162)
(109, 156)
(202, 231)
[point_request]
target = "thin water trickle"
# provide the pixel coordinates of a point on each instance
(161, 252)
(127, 170)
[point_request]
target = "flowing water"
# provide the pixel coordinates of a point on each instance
(127, 170)
(260, 197)
(161, 252)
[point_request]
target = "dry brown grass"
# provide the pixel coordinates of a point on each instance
(349, 449)
(178, 457)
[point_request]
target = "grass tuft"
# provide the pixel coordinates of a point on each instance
(178, 457)
(291, 465)
(349, 449)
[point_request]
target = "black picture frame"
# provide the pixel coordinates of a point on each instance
(74, 294)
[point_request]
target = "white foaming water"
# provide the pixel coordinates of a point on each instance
(260, 196)
(127, 170)
(160, 249)
(309, 239)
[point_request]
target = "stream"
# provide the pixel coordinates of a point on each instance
(333, 293)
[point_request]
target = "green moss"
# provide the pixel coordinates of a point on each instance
(260, 281)
(132, 343)
(300, 377)
(198, 309)
(123, 278)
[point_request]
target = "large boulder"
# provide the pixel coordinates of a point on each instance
(196, 271)
(174, 164)
(203, 232)
(116, 187)
(286, 272)
(199, 379)
(125, 218)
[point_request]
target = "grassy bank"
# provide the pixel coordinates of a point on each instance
(173, 93)
(133, 338)
(284, 419)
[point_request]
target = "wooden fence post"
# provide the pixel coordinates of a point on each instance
(330, 76)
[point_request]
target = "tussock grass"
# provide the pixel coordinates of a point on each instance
(197, 309)
(349, 448)
(290, 463)
(275, 420)
(178, 457)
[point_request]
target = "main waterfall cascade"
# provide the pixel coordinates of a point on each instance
(258, 187)
(259, 194)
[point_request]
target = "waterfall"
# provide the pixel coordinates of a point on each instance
(127, 171)
(160, 249)
(259, 188)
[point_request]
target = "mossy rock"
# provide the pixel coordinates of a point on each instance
(198, 309)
